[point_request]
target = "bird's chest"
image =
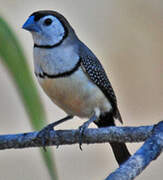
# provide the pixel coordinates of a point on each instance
(75, 94)
(55, 61)
(67, 92)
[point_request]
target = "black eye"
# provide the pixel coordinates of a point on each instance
(47, 22)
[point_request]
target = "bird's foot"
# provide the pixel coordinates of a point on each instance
(82, 129)
(44, 134)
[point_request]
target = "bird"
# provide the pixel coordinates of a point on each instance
(72, 76)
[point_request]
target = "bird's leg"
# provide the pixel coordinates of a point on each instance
(83, 127)
(45, 132)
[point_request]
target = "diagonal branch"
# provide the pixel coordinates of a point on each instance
(150, 150)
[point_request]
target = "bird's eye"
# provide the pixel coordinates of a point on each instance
(47, 22)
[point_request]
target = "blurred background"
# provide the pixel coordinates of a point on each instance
(127, 37)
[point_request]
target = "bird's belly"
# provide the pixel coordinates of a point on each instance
(75, 94)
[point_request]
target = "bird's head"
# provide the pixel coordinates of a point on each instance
(48, 28)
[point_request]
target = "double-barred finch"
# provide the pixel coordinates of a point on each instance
(72, 76)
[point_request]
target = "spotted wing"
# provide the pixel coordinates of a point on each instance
(97, 74)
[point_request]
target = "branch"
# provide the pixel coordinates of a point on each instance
(150, 150)
(152, 135)
(63, 137)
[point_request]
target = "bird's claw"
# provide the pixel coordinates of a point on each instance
(81, 133)
(44, 135)
(83, 127)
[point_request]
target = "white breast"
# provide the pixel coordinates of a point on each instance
(75, 94)
(56, 60)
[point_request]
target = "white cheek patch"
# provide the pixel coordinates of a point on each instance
(54, 33)
(58, 27)
(49, 35)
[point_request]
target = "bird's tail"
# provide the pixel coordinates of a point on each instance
(120, 150)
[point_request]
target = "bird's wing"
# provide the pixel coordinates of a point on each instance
(94, 70)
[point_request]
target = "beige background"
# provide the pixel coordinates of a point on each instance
(127, 36)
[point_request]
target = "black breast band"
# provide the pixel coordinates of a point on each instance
(60, 75)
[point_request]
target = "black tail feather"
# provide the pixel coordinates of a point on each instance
(120, 150)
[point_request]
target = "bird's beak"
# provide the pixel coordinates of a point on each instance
(30, 25)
